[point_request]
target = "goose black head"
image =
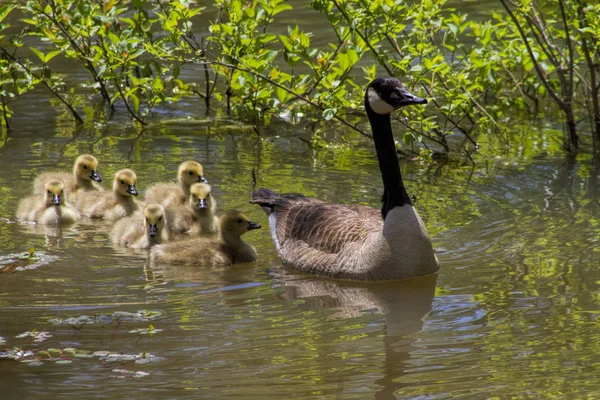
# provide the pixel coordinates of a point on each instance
(384, 95)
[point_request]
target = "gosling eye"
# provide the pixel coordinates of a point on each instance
(49, 192)
(122, 182)
(191, 173)
(240, 221)
(85, 167)
(160, 218)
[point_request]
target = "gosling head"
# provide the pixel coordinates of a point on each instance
(86, 168)
(55, 193)
(154, 219)
(124, 184)
(191, 172)
(200, 196)
(384, 95)
(235, 223)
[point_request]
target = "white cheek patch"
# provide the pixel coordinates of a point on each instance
(377, 104)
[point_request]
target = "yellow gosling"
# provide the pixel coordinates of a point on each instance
(50, 209)
(118, 203)
(198, 215)
(170, 194)
(142, 230)
(228, 249)
(85, 177)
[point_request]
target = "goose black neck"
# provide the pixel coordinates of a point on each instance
(394, 192)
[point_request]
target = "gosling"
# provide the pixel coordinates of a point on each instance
(228, 249)
(142, 230)
(170, 194)
(85, 177)
(198, 215)
(52, 209)
(118, 203)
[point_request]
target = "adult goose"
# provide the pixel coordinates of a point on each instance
(349, 241)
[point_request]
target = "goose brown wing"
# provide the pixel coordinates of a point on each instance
(327, 228)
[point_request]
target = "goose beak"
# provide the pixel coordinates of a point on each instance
(253, 225)
(202, 204)
(408, 99)
(132, 191)
(152, 230)
(96, 176)
(56, 200)
(202, 179)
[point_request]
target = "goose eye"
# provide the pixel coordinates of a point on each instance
(49, 192)
(122, 182)
(240, 221)
(85, 167)
(191, 173)
(160, 218)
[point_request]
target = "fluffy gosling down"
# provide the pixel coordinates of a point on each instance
(228, 249)
(50, 209)
(142, 230)
(85, 177)
(112, 205)
(170, 194)
(198, 214)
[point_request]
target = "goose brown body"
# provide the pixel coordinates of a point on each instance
(85, 177)
(170, 194)
(228, 249)
(142, 229)
(51, 208)
(351, 241)
(118, 203)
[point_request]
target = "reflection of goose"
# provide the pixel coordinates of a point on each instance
(227, 250)
(198, 214)
(84, 176)
(51, 209)
(112, 205)
(167, 193)
(142, 230)
(352, 241)
(403, 304)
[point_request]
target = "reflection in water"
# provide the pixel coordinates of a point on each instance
(404, 306)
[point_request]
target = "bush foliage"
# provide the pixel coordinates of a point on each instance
(482, 76)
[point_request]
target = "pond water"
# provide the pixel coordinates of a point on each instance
(512, 312)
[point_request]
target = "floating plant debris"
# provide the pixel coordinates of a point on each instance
(118, 316)
(124, 373)
(150, 330)
(37, 336)
(69, 355)
(31, 259)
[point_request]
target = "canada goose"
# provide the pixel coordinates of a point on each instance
(84, 177)
(142, 230)
(169, 193)
(112, 205)
(51, 209)
(229, 248)
(351, 241)
(198, 214)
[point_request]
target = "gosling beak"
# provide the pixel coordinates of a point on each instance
(202, 204)
(96, 176)
(152, 230)
(253, 225)
(202, 179)
(56, 199)
(406, 98)
(132, 191)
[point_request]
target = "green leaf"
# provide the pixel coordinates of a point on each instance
(5, 10)
(38, 53)
(51, 55)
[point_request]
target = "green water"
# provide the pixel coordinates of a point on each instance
(512, 313)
